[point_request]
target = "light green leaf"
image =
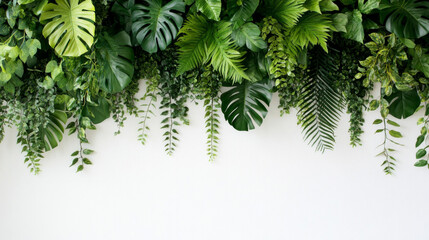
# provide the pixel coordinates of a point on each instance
(313, 5)
(368, 6)
(395, 134)
(328, 6)
(210, 8)
(249, 35)
(71, 28)
(311, 28)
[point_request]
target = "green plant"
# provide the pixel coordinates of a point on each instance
(231, 54)
(156, 25)
(70, 28)
(321, 103)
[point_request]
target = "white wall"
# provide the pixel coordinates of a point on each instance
(266, 184)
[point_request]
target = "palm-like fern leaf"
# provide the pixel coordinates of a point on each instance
(311, 28)
(203, 41)
(192, 44)
(287, 12)
(321, 102)
(225, 57)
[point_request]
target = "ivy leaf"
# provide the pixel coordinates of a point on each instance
(71, 27)
(354, 26)
(406, 18)
(245, 105)
(210, 8)
(403, 103)
(249, 35)
(117, 61)
(156, 25)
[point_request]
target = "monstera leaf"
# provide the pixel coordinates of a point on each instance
(97, 111)
(246, 104)
(210, 8)
(406, 18)
(52, 134)
(154, 25)
(116, 58)
(403, 104)
(71, 26)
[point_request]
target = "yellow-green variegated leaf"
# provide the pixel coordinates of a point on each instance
(70, 28)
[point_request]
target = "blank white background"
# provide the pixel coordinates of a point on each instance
(265, 184)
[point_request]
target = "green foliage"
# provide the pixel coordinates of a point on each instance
(202, 42)
(421, 154)
(99, 60)
(406, 18)
(175, 92)
(385, 64)
(209, 85)
(116, 58)
(286, 12)
(283, 61)
(403, 104)
(245, 105)
(249, 34)
(321, 102)
(210, 8)
(353, 90)
(156, 25)
(70, 28)
(390, 135)
(311, 28)
(240, 13)
(150, 72)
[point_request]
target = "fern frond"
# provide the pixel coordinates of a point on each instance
(311, 28)
(212, 125)
(146, 115)
(193, 50)
(225, 57)
(287, 12)
(204, 41)
(321, 102)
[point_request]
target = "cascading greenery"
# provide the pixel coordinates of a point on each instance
(71, 64)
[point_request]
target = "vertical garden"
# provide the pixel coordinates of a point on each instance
(68, 65)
